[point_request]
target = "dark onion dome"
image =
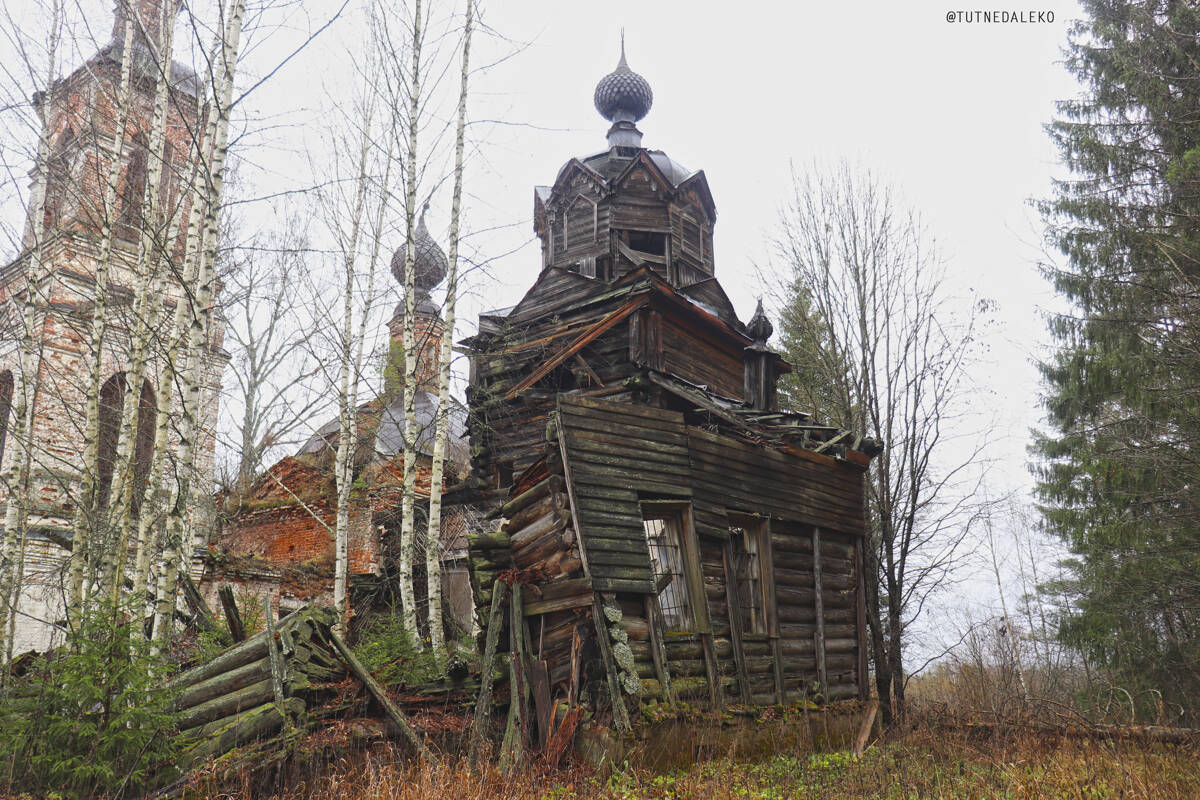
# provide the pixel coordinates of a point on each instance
(430, 261)
(759, 327)
(623, 95)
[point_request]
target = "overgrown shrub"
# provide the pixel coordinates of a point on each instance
(388, 651)
(89, 719)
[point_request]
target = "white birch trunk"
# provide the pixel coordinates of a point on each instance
(409, 475)
(86, 518)
(154, 250)
(348, 384)
(433, 562)
(16, 478)
(178, 528)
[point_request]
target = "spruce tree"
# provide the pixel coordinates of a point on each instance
(1119, 468)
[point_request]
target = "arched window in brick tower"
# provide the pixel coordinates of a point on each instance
(133, 190)
(6, 393)
(112, 404)
(58, 178)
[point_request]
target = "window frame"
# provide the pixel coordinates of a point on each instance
(754, 529)
(689, 551)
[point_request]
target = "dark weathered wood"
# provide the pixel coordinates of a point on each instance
(516, 730)
(553, 520)
(221, 685)
(547, 505)
(195, 603)
(483, 706)
(860, 608)
(658, 653)
(241, 700)
(273, 656)
(244, 728)
(251, 650)
(539, 682)
(581, 600)
(616, 697)
(233, 618)
(819, 611)
(733, 602)
(514, 506)
(577, 345)
(376, 691)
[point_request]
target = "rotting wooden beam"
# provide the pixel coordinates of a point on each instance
(771, 608)
(483, 706)
(658, 652)
(537, 492)
(583, 341)
(733, 603)
(233, 618)
(277, 676)
(600, 621)
(397, 718)
(819, 611)
(860, 608)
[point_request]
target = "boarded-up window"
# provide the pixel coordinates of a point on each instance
(692, 238)
(747, 572)
(664, 536)
(581, 222)
(558, 227)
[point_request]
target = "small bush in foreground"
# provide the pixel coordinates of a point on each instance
(89, 719)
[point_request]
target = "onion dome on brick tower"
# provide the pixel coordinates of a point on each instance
(429, 266)
(623, 97)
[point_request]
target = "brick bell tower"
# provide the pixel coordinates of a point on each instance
(82, 117)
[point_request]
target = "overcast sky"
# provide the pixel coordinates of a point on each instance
(950, 113)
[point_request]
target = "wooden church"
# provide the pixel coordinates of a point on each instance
(670, 532)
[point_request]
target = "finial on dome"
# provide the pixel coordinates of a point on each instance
(429, 261)
(623, 97)
(759, 327)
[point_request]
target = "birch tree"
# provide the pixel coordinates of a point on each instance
(216, 144)
(33, 303)
(363, 223)
(85, 511)
(433, 546)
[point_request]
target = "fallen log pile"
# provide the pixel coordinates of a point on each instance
(276, 678)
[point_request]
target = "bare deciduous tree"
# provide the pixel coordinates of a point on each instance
(882, 350)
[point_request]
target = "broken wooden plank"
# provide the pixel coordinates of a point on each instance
(734, 604)
(233, 618)
(819, 611)
(483, 706)
(398, 719)
(590, 335)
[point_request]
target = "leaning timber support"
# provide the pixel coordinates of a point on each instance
(612, 672)
(483, 708)
(397, 718)
(278, 678)
(734, 604)
(819, 609)
(516, 732)
(658, 649)
(233, 618)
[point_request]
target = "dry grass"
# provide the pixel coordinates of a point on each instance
(923, 764)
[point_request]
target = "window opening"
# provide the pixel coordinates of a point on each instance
(747, 572)
(647, 242)
(664, 536)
